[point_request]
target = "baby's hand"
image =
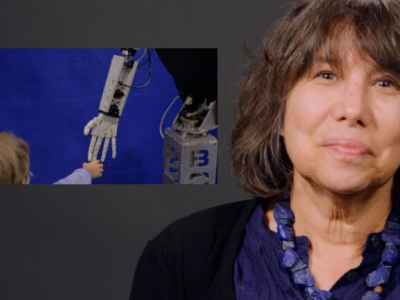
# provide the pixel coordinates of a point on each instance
(95, 168)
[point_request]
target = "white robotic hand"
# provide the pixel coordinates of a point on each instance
(102, 126)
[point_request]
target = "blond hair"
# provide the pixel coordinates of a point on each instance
(14, 159)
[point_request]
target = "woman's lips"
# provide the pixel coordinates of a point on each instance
(346, 146)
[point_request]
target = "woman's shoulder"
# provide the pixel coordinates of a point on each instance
(190, 250)
(208, 224)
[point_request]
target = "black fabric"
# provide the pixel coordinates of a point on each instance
(193, 258)
(194, 71)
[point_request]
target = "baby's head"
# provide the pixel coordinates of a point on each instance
(14, 159)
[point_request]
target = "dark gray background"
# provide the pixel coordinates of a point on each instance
(83, 242)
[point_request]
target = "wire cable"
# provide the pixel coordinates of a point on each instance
(149, 78)
(144, 53)
(165, 113)
(149, 53)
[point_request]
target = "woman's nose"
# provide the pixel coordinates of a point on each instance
(353, 105)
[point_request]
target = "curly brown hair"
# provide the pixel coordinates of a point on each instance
(259, 158)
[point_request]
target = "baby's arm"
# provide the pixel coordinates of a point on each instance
(95, 168)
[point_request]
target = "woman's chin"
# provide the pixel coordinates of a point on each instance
(348, 185)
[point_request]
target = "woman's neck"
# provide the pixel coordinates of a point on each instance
(322, 215)
(336, 225)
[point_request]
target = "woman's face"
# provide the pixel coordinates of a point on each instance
(342, 127)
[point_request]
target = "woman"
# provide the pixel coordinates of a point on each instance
(317, 141)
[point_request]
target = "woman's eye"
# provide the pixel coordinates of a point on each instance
(388, 83)
(326, 75)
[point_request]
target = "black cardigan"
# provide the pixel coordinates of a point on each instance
(193, 258)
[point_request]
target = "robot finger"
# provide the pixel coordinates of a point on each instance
(105, 148)
(97, 148)
(88, 127)
(114, 147)
(91, 147)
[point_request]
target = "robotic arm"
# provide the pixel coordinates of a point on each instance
(116, 91)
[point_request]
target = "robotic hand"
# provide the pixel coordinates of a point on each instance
(115, 93)
(102, 126)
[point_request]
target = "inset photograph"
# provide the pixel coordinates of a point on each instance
(108, 116)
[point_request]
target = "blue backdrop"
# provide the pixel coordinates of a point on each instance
(47, 96)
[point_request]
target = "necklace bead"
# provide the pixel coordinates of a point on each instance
(390, 255)
(317, 294)
(391, 236)
(379, 276)
(371, 295)
(378, 289)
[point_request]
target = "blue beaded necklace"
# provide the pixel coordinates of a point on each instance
(301, 275)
